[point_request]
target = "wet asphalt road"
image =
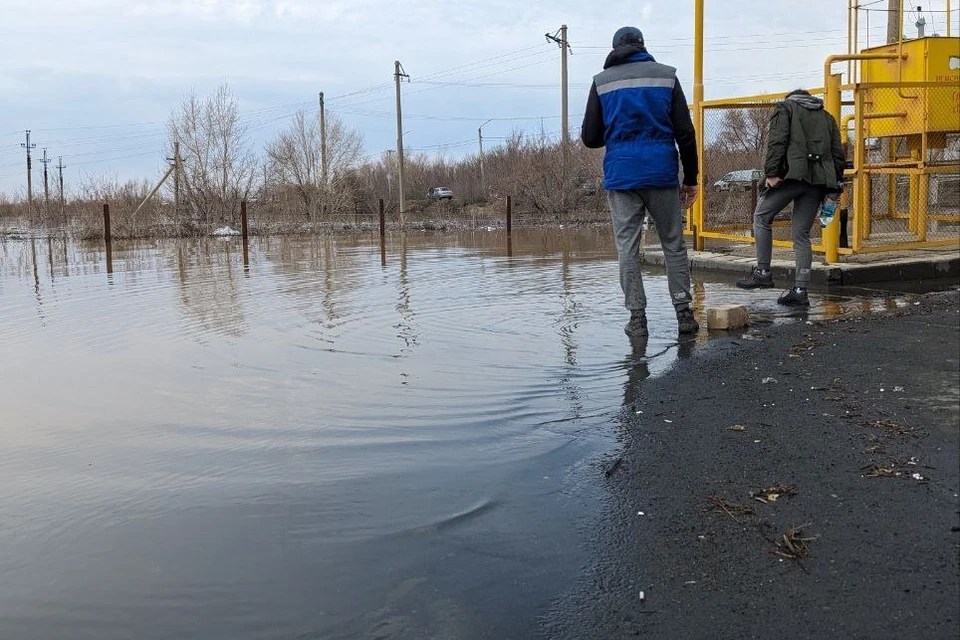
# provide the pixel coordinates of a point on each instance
(852, 398)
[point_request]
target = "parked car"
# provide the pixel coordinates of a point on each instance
(741, 179)
(440, 193)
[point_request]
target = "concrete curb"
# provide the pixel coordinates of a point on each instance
(931, 267)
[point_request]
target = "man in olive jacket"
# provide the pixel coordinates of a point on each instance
(804, 165)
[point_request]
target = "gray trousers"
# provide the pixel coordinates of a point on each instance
(806, 200)
(628, 210)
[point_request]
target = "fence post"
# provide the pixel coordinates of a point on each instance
(107, 239)
(383, 236)
(243, 233)
(754, 185)
(509, 215)
(830, 234)
(383, 222)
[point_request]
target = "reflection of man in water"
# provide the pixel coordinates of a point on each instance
(638, 367)
(637, 110)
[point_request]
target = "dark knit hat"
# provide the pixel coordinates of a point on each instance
(627, 35)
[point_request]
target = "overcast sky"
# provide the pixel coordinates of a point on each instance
(95, 80)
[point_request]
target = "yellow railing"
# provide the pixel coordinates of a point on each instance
(903, 191)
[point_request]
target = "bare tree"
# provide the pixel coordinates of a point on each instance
(295, 160)
(218, 166)
(743, 133)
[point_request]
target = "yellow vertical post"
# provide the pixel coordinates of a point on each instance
(923, 205)
(913, 199)
(892, 179)
(861, 180)
(698, 206)
(830, 234)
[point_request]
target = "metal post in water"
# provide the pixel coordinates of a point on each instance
(509, 215)
(383, 222)
(383, 236)
(243, 234)
(107, 240)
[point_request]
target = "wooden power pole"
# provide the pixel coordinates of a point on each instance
(46, 181)
(894, 20)
(60, 168)
(398, 73)
(28, 147)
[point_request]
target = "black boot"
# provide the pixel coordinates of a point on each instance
(686, 323)
(637, 327)
(796, 297)
(758, 280)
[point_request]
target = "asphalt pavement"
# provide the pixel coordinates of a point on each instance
(796, 481)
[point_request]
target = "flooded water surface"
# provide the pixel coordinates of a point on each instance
(329, 442)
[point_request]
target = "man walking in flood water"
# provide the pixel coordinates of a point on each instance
(637, 110)
(804, 165)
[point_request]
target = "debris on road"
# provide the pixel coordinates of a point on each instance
(774, 492)
(719, 504)
(793, 544)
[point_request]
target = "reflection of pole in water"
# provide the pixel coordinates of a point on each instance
(407, 333)
(50, 255)
(568, 317)
(328, 284)
(36, 273)
(66, 260)
(36, 279)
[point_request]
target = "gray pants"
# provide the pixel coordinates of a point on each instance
(806, 200)
(628, 210)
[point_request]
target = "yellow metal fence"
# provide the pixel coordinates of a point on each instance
(903, 191)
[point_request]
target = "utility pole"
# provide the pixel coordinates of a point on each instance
(322, 178)
(176, 179)
(323, 143)
(398, 73)
(60, 168)
(46, 183)
(29, 146)
(894, 20)
(564, 113)
(564, 45)
(483, 181)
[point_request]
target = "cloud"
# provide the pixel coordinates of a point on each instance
(102, 62)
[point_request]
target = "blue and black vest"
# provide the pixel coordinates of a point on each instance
(636, 97)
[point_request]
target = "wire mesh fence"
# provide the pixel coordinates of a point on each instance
(903, 139)
(909, 158)
(734, 145)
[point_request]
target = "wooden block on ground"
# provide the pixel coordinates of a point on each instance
(728, 316)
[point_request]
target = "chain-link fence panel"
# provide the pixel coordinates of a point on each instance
(910, 156)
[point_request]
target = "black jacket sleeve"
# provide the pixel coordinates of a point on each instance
(836, 151)
(777, 142)
(685, 135)
(592, 131)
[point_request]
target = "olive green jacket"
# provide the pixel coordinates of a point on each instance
(804, 143)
